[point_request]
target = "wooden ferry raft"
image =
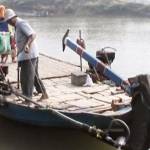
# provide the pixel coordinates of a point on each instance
(101, 98)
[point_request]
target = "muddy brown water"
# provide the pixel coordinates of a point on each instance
(17, 136)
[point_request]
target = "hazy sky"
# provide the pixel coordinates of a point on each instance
(138, 1)
(142, 1)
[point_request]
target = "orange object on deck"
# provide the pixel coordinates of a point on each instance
(2, 11)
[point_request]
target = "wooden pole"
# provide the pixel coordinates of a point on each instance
(18, 77)
(80, 56)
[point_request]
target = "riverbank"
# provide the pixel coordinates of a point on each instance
(79, 8)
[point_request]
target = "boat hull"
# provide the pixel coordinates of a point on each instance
(45, 117)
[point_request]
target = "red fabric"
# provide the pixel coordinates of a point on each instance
(81, 43)
(12, 42)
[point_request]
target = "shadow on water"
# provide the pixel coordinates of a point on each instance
(16, 136)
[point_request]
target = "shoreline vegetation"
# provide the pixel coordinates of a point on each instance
(45, 8)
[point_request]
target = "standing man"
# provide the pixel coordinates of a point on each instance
(3, 28)
(27, 55)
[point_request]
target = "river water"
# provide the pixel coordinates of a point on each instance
(130, 36)
(16, 136)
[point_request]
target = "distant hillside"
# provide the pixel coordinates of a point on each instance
(77, 7)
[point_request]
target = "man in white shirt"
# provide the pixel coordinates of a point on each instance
(27, 55)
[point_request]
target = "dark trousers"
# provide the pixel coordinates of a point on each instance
(39, 86)
(29, 77)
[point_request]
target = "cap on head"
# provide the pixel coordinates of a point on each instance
(2, 12)
(9, 14)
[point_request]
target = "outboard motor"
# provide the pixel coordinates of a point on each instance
(120, 141)
(106, 55)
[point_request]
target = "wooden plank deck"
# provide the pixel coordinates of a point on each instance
(64, 95)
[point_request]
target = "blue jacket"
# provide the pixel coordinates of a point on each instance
(3, 26)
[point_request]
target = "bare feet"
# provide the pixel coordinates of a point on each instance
(43, 97)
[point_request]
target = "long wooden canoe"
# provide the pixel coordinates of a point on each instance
(91, 105)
